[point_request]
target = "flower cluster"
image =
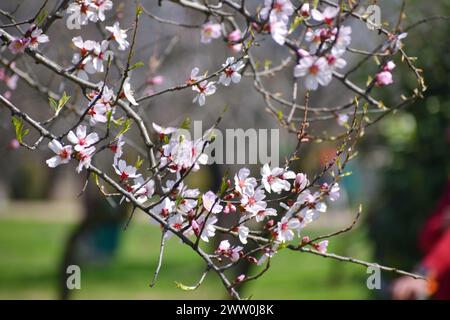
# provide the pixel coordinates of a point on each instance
(180, 153)
(327, 45)
(230, 74)
(82, 149)
(91, 55)
(277, 12)
(31, 40)
(89, 10)
(384, 77)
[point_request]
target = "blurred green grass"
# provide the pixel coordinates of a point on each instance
(31, 250)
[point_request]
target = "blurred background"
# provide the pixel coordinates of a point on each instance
(399, 175)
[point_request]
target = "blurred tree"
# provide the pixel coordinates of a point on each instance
(418, 142)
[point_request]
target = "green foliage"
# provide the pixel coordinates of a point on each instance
(58, 105)
(419, 145)
(21, 132)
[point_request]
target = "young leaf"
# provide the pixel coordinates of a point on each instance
(41, 17)
(125, 127)
(20, 131)
(136, 65)
(186, 124)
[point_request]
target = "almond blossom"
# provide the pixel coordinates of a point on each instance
(33, 37)
(128, 92)
(227, 250)
(63, 154)
(384, 78)
(209, 229)
(181, 154)
(211, 202)
(80, 139)
(333, 191)
(322, 246)
(279, 30)
(275, 179)
(36, 37)
(163, 209)
(243, 183)
(210, 31)
(119, 35)
(204, 89)
(243, 232)
(176, 222)
(315, 70)
(305, 10)
(163, 131)
(97, 113)
(233, 38)
(231, 72)
(101, 54)
(85, 47)
(253, 203)
(144, 190)
(99, 7)
(300, 182)
(18, 45)
(82, 10)
(262, 214)
(280, 10)
(85, 157)
(125, 171)
(284, 229)
(327, 16)
(117, 147)
(343, 40)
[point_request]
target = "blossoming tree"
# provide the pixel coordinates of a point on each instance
(274, 208)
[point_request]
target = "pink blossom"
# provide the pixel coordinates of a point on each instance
(211, 203)
(125, 171)
(85, 157)
(210, 31)
(315, 70)
(80, 139)
(36, 37)
(243, 183)
(327, 16)
(18, 45)
(383, 78)
(233, 37)
(63, 154)
(119, 35)
(231, 72)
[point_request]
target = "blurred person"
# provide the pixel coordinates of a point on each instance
(434, 241)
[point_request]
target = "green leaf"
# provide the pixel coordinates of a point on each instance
(20, 131)
(186, 123)
(58, 105)
(108, 117)
(138, 162)
(223, 185)
(280, 115)
(139, 11)
(297, 21)
(136, 65)
(125, 127)
(41, 17)
(184, 287)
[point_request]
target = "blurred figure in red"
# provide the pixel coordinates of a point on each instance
(435, 244)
